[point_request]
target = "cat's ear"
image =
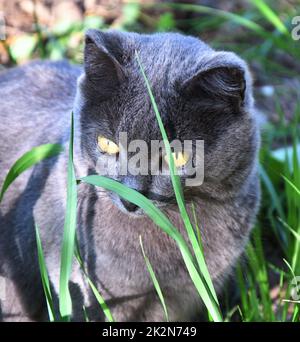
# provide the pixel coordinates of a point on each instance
(221, 78)
(101, 66)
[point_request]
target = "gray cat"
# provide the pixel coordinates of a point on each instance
(201, 94)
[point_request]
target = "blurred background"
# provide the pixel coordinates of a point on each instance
(267, 35)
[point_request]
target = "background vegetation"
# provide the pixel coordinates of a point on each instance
(260, 31)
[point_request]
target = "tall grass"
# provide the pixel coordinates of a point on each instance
(280, 174)
(68, 245)
(44, 276)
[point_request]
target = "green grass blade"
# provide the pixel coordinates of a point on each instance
(199, 239)
(296, 314)
(290, 268)
(32, 157)
(100, 300)
(86, 317)
(270, 15)
(296, 235)
(94, 289)
(162, 221)
(258, 263)
(197, 227)
(273, 194)
(243, 291)
(44, 276)
(291, 184)
(178, 191)
(65, 303)
(155, 281)
(293, 232)
(254, 303)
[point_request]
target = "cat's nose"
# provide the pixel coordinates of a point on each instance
(129, 206)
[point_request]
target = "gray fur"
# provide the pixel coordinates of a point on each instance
(201, 94)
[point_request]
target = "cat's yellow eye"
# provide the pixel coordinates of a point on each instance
(180, 159)
(107, 145)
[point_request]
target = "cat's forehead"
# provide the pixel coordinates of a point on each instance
(137, 117)
(165, 58)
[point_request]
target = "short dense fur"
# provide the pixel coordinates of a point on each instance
(201, 94)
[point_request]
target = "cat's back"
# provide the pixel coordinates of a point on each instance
(38, 84)
(35, 107)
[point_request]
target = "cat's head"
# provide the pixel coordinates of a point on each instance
(201, 94)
